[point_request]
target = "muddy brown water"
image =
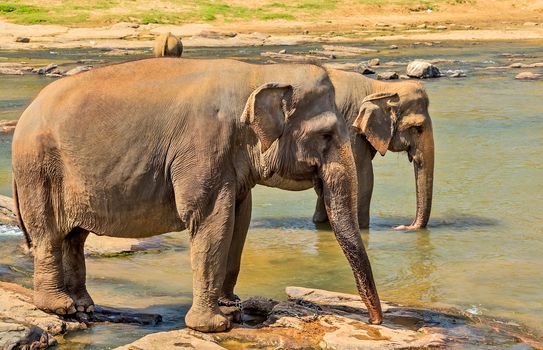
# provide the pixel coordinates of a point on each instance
(482, 251)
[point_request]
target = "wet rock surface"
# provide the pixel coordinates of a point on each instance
(527, 76)
(319, 319)
(23, 326)
(389, 75)
(422, 70)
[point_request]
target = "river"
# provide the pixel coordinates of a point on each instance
(482, 250)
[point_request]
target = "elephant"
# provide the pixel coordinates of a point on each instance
(383, 116)
(160, 145)
(167, 44)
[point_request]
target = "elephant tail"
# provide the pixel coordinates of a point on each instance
(19, 218)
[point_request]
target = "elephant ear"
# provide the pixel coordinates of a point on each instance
(266, 111)
(376, 119)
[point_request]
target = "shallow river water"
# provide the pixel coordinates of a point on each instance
(482, 251)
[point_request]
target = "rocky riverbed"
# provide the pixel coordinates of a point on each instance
(308, 319)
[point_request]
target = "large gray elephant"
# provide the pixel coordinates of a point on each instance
(160, 145)
(382, 116)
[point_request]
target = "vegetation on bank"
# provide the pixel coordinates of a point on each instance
(99, 12)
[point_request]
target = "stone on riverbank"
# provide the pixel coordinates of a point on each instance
(527, 76)
(22, 324)
(387, 76)
(77, 70)
(422, 70)
(319, 319)
(7, 213)
(10, 71)
(352, 67)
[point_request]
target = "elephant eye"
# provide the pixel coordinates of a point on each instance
(327, 136)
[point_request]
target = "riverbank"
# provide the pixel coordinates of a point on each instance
(479, 20)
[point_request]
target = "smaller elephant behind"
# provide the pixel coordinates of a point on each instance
(168, 44)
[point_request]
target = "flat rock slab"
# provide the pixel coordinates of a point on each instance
(319, 319)
(23, 325)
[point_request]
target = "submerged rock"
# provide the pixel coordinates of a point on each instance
(422, 70)
(319, 319)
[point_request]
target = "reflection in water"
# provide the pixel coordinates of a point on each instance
(482, 247)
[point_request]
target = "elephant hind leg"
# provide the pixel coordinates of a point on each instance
(73, 259)
(50, 293)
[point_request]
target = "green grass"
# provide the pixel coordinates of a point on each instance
(99, 12)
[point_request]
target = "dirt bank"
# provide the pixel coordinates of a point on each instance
(341, 22)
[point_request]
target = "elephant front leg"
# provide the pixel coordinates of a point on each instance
(210, 245)
(241, 226)
(73, 258)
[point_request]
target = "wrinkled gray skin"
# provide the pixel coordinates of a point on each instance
(382, 116)
(160, 145)
(168, 45)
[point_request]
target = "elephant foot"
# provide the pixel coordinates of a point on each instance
(229, 299)
(83, 301)
(363, 223)
(59, 303)
(207, 321)
(320, 217)
(232, 313)
(407, 227)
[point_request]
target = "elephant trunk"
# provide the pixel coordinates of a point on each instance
(339, 192)
(424, 178)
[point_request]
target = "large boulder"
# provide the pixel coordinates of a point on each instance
(422, 70)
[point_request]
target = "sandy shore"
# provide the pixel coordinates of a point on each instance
(482, 20)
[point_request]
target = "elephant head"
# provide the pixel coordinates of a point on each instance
(168, 44)
(399, 121)
(302, 138)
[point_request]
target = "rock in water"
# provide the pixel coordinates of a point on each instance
(387, 76)
(374, 62)
(527, 76)
(7, 213)
(23, 326)
(422, 70)
(319, 319)
(78, 70)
